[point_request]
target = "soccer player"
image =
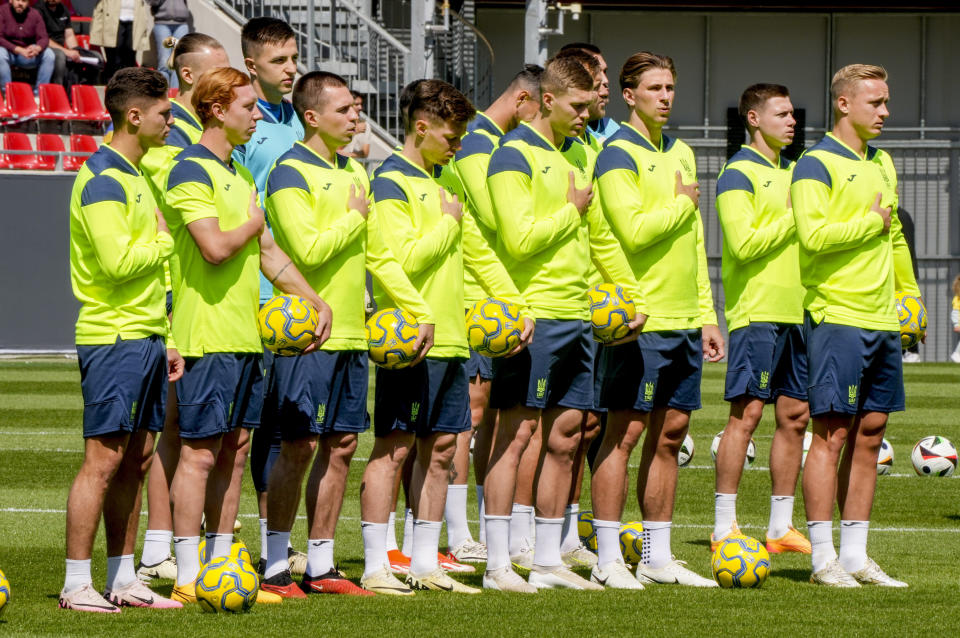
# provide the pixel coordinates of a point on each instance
(269, 48)
(316, 201)
(220, 247)
(518, 103)
(192, 55)
(548, 229)
(118, 244)
(852, 258)
(647, 184)
(764, 310)
(599, 127)
(417, 211)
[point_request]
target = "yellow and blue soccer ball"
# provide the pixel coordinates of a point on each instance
(391, 335)
(287, 324)
(739, 562)
(240, 553)
(913, 319)
(611, 310)
(494, 327)
(586, 531)
(227, 585)
(4, 592)
(631, 541)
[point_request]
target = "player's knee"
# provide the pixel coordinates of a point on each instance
(752, 413)
(298, 452)
(591, 427)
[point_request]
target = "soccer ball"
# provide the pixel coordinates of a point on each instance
(686, 452)
(494, 327)
(631, 541)
(391, 334)
(240, 553)
(913, 319)
(751, 450)
(586, 531)
(934, 456)
(287, 324)
(885, 458)
(4, 592)
(611, 309)
(227, 585)
(807, 440)
(740, 561)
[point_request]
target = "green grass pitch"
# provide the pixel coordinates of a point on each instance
(915, 537)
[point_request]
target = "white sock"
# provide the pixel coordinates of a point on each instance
(156, 546)
(482, 534)
(656, 544)
(392, 531)
(374, 547)
(408, 533)
(319, 556)
(569, 536)
(120, 571)
(781, 516)
(217, 546)
(498, 541)
(724, 514)
(821, 542)
(188, 561)
(455, 513)
(276, 553)
(263, 538)
(426, 543)
(853, 544)
(520, 528)
(78, 574)
(608, 541)
(547, 551)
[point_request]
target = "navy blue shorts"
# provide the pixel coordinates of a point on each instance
(219, 392)
(479, 366)
(767, 360)
(597, 348)
(316, 394)
(556, 369)
(853, 370)
(659, 369)
(124, 386)
(432, 396)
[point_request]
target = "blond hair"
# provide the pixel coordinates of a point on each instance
(849, 76)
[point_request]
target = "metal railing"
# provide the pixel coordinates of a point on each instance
(464, 57)
(336, 36)
(928, 172)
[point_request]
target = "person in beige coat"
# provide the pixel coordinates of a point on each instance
(122, 28)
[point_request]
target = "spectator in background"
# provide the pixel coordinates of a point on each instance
(359, 146)
(122, 28)
(955, 317)
(170, 20)
(63, 42)
(23, 43)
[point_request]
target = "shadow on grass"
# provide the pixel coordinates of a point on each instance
(796, 575)
(952, 517)
(700, 541)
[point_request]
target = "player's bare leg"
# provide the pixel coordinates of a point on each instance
(524, 497)
(155, 561)
(745, 415)
(378, 496)
(571, 549)
(198, 457)
(786, 455)
(485, 424)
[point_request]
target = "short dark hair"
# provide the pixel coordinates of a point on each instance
(562, 73)
(436, 99)
(589, 61)
(308, 91)
(638, 63)
(587, 47)
(756, 95)
(528, 79)
(132, 85)
(263, 30)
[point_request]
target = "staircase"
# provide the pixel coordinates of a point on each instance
(341, 36)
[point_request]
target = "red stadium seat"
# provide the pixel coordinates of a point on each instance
(83, 41)
(173, 92)
(52, 144)
(79, 144)
(20, 101)
(54, 104)
(87, 104)
(20, 142)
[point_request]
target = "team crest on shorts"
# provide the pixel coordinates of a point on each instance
(852, 395)
(541, 388)
(648, 389)
(764, 379)
(321, 412)
(414, 410)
